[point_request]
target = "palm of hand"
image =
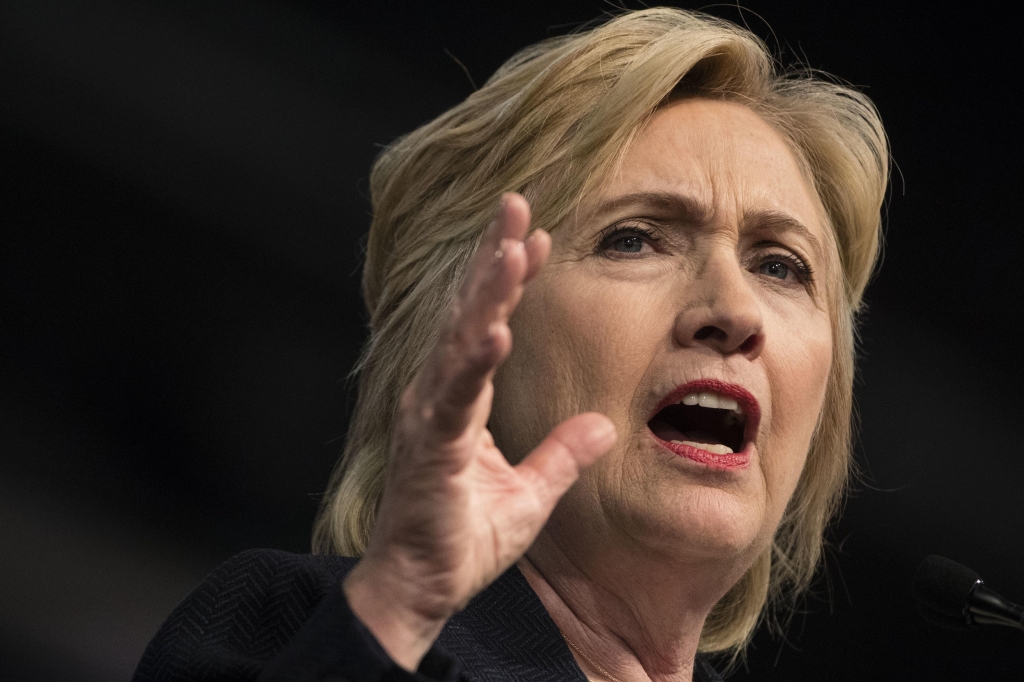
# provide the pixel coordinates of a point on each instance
(461, 523)
(455, 514)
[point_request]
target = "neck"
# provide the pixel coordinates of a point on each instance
(628, 617)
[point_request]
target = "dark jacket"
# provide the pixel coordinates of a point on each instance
(268, 615)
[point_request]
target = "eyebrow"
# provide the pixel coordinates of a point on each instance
(782, 222)
(693, 211)
(686, 208)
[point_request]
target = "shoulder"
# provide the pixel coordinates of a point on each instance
(505, 635)
(243, 613)
(275, 570)
(263, 584)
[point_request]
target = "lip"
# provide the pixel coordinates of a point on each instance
(746, 400)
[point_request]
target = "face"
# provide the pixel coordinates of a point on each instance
(695, 278)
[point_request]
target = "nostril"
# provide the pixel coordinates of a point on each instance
(705, 333)
(750, 344)
(725, 342)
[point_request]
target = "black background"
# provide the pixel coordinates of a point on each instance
(183, 194)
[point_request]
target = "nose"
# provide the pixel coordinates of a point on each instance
(721, 310)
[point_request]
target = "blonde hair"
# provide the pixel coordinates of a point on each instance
(552, 123)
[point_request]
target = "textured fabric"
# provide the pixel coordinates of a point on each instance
(272, 616)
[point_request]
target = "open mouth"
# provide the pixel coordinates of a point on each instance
(706, 419)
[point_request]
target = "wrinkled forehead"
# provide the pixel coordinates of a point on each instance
(706, 160)
(720, 156)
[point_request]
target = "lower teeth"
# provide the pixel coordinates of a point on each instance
(716, 448)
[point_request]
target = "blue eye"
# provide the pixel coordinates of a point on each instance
(776, 269)
(628, 244)
(633, 241)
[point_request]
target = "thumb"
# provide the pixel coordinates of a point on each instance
(571, 447)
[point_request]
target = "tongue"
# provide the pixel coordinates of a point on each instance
(666, 431)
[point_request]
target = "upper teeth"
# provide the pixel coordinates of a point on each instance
(709, 399)
(717, 448)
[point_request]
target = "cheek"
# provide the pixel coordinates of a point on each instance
(578, 346)
(798, 373)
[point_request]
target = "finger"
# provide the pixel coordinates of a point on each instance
(511, 221)
(493, 273)
(511, 262)
(500, 292)
(481, 341)
(478, 339)
(479, 264)
(538, 248)
(471, 324)
(493, 299)
(571, 447)
(515, 216)
(458, 399)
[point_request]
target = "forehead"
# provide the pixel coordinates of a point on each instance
(723, 159)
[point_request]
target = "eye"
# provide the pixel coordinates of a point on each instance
(628, 244)
(776, 269)
(785, 267)
(629, 241)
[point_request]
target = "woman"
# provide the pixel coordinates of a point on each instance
(681, 243)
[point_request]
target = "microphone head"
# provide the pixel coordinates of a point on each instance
(941, 587)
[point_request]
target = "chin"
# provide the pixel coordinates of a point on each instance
(697, 521)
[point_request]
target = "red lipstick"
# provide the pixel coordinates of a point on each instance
(751, 419)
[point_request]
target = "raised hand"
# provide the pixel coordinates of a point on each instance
(455, 514)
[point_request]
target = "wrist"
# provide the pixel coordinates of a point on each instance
(388, 604)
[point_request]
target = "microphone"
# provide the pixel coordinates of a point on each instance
(953, 596)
